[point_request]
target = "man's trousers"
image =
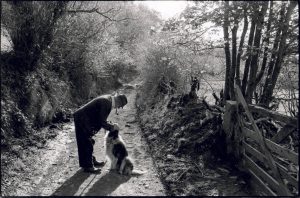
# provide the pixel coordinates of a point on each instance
(85, 145)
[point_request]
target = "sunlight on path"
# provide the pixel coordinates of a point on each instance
(65, 178)
(85, 186)
(111, 183)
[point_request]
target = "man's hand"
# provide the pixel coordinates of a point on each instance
(94, 132)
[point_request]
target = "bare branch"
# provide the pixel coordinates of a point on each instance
(94, 10)
(196, 37)
(108, 11)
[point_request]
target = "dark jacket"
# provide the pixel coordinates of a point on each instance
(92, 116)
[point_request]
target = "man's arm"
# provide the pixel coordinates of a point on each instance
(105, 109)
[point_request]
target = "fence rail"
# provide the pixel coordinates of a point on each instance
(268, 162)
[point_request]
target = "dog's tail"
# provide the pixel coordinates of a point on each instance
(137, 172)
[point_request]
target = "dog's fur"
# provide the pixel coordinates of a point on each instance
(117, 153)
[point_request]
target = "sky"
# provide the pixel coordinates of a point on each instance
(167, 9)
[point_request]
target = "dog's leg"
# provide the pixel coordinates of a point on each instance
(113, 164)
(122, 166)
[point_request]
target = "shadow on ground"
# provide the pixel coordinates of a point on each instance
(71, 186)
(107, 184)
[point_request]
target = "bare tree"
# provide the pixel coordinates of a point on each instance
(256, 45)
(266, 42)
(245, 28)
(227, 51)
(249, 48)
(274, 72)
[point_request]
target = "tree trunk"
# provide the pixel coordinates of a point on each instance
(249, 52)
(240, 51)
(272, 60)
(266, 41)
(280, 56)
(227, 51)
(233, 65)
(254, 61)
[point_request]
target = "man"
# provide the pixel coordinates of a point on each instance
(89, 119)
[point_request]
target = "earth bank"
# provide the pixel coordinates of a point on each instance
(187, 145)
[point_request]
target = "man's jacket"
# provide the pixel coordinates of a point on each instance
(92, 116)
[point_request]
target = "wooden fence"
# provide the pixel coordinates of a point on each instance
(272, 166)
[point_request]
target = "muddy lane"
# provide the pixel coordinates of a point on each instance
(65, 178)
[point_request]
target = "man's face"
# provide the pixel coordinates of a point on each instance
(118, 104)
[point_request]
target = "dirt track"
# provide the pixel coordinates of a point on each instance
(59, 174)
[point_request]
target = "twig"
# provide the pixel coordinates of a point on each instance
(198, 168)
(291, 143)
(206, 104)
(183, 173)
(275, 124)
(220, 109)
(261, 119)
(216, 97)
(208, 84)
(164, 146)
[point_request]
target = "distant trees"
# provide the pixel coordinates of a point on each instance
(266, 29)
(101, 43)
(258, 38)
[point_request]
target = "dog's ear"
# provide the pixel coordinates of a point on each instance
(116, 134)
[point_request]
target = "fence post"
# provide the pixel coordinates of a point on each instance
(228, 124)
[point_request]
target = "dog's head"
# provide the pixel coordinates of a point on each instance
(114, 134)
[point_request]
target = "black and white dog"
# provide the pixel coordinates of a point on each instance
(117, 153)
